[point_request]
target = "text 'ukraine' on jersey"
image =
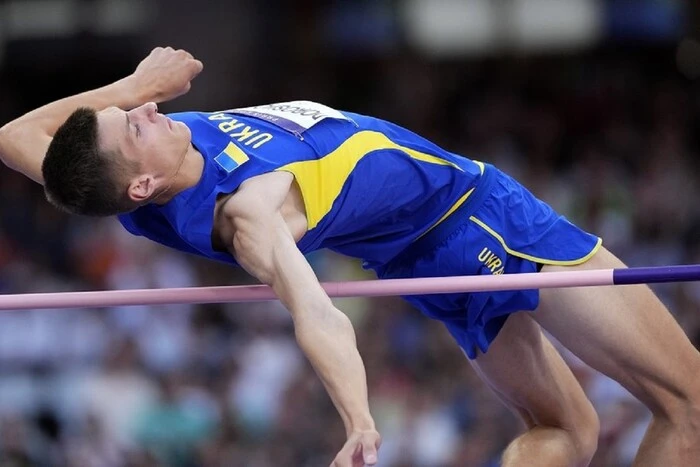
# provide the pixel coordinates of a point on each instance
(370, 188)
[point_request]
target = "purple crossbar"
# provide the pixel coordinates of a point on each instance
(689, 272)
(417, 286)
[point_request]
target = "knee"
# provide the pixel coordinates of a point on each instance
(585, 434)
(569, 444)
(582, 424)
(583, 439)
(580, 431)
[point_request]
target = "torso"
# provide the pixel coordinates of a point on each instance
(361, 186)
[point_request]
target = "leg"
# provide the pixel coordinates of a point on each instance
(529, 375)
(626, 333)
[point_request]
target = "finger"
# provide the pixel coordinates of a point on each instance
(185, 53)
(344, 457)
(182, 53)
(369, 453)
(198, 67)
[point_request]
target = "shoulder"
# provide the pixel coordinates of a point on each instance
(257, 198)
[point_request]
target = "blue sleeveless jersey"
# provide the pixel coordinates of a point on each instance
(370, 188)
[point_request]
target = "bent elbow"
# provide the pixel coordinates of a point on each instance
(6, 138)
(4, 141)
(9, 135)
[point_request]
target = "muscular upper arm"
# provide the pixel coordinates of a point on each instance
(264, 246)
(23, 149)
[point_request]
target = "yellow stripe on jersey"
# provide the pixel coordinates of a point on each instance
(454, 207)
(321, 180)
(457, 204)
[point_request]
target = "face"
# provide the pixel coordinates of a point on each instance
(147, 140)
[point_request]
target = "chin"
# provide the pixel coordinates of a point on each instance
(186, 129)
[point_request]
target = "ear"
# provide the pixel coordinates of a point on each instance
(142, 188)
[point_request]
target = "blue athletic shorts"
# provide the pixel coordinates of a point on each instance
(501, 229)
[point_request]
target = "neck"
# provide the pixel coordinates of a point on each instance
(186, 175)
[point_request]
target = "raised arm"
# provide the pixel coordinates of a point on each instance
(163, 75)
(264, 246)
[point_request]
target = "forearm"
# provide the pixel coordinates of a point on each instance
(24, 141)
(51, 116)
(163, 75)
(329, 343)
(264, 246)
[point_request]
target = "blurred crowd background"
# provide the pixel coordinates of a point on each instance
(592, 104)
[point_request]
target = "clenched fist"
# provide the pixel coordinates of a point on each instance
(165, 74)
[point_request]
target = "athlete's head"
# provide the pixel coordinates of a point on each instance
(112, 161)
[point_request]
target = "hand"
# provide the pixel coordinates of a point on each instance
(164, 74)
(359, 450)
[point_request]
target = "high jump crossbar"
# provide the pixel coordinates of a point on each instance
(365, 288)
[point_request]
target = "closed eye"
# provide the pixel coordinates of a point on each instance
(129, 125)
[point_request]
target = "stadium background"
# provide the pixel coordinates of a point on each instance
(592, 104)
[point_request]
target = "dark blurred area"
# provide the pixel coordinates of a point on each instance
(594, 105)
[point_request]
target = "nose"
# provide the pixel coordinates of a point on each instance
(147, 111)
(151, 110)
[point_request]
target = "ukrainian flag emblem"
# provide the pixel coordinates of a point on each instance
(231, 158)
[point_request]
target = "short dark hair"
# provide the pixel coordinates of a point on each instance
(81, 178)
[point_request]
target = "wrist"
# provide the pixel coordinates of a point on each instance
(133, 93)
(360, 425)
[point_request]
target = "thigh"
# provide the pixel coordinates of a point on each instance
(528, 374)
(624, 332)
